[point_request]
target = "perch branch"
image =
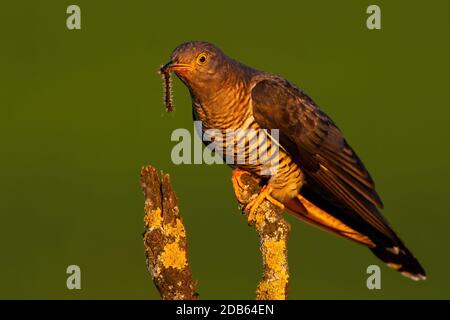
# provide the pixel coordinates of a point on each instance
(165, 238)
(273, 231)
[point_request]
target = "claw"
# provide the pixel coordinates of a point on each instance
(253, 205)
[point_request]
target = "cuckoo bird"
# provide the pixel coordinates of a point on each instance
(319, 177)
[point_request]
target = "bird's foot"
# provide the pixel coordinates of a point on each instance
(253, 205)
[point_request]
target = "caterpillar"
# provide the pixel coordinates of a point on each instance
(168, 100)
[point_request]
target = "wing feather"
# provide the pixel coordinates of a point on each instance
(320, 149)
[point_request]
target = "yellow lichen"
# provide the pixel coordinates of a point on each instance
(274, 255)
(276, 278)
(153, 219)
(259, 220)
(173, 256)
(272, 290)
(177, 232)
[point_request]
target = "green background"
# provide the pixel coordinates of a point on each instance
(82, 111)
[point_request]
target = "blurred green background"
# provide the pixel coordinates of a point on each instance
(82, 111)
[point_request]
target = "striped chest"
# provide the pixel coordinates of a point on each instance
(242, 143)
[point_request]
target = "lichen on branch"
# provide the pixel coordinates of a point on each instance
(166, 245)
(273, 231)
(165, 238)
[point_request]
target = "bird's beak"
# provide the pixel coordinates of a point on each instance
(174, 66)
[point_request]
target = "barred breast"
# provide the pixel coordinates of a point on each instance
(242, 143)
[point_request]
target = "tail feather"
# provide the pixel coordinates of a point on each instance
(402, 260)
(391, 251)
(304, 210)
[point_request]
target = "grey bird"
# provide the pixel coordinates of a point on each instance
(319, 177)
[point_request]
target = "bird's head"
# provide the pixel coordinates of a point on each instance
(200, 65)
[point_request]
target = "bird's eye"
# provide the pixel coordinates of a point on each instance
(201, 58)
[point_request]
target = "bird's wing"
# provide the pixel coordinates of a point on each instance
(335, 176)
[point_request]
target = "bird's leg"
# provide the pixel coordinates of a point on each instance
(253, 205)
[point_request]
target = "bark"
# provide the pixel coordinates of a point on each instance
(273, 231)
(165, 241)
(166, 245)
